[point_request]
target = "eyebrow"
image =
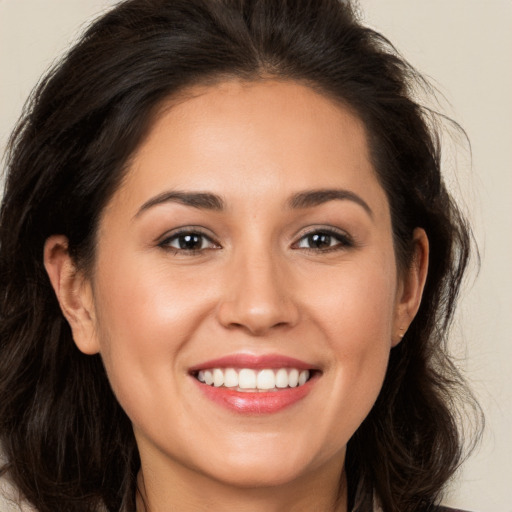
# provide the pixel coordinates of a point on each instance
(310, 198)
(201, 200)
(209, 201)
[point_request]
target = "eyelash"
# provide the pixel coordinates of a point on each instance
(184, 232)
(343, 241)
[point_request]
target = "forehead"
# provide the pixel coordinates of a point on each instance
(269, 137)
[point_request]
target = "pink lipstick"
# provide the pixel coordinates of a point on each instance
(251, 384)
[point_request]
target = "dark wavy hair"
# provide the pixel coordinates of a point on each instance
(69, 445)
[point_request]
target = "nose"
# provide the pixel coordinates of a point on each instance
(258, 296)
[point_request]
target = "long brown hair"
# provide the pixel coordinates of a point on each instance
(69, 445)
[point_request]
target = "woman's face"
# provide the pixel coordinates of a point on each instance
(250, 244)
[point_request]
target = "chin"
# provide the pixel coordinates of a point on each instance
(263, 468)
(258, 476)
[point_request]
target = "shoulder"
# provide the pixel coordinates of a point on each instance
(447, 509)
(10, 499)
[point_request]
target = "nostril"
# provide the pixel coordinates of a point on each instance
(257, 313)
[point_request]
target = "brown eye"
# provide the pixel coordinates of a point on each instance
(324, 241)
(188, 241)
(319, 241)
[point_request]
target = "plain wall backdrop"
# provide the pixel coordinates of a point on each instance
(465, 47)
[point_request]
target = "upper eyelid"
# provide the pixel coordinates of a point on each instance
(196, 230)
(165, 241)
(306, 231)
(345, 239)
(322, 229)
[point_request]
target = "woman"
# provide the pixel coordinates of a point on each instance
(228, 266)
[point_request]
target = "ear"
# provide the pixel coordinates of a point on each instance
(73, 292)
(411, 285)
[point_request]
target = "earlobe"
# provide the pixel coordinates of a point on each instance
(73, 292)
(412, 285)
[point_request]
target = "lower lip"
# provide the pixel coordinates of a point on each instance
(256, 403)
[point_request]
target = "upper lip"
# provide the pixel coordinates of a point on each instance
(256, 362)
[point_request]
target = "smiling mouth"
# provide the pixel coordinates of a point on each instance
(249, 380)
(255, 384)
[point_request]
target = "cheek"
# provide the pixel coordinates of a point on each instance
(143, 319)
(356, 314)
(358, 306)
(144, 306)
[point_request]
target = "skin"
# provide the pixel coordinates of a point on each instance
(256, 285)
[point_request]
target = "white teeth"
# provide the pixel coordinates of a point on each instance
(208, 377)
(303, 377)
(281, 378)
(231, 378)
(218, 377)
(249, 379)
(293, 378)
(266, 380)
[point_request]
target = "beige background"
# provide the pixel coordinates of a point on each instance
(465, 46)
